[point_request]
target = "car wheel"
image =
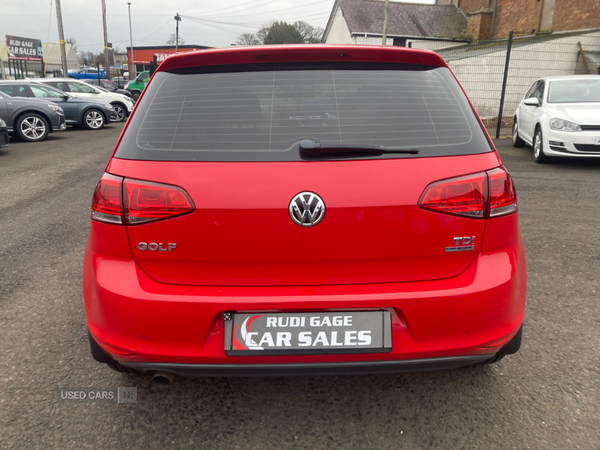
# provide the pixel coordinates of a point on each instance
(93, 119)
(136, 95)
(32, 127)
(538, 148)
(516, 139)
(120, 112)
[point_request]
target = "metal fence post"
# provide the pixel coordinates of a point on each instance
(510, 38)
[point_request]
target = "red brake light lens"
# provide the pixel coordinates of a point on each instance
(503, 197)
(106, 203)
(146, 201)
(463, 196)
(473, 195)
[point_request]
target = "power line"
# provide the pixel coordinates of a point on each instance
(237, 6)
(265, 12)
(49, 21)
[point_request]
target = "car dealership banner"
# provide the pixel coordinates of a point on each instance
(24, 48)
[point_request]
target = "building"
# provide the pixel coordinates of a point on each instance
(142, 56)
(495, 19)
(121, 63)
(409, 24)
(418, 25)
(52, 58)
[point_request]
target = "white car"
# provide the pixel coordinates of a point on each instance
(122, 104)
(560, 116)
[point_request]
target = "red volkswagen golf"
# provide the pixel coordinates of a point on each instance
(303, 210)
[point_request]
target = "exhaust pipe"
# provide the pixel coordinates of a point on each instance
(162, 379)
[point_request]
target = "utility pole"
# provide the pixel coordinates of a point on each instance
(107, 62)
(385, 21)
(177, 20)
(61, 37)
(131, 62)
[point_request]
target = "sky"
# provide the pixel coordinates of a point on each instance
(204, 22)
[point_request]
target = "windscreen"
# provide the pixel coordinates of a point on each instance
(262, 114)
(574, 91)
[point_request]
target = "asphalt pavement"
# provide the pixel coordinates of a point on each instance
(545, 397)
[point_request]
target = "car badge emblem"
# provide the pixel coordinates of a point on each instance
(307, 209)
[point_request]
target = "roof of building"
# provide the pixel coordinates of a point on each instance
(404, 19)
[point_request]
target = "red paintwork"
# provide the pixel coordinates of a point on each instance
(241, 232)
(166, 323)
(277, 53)
(239, 251)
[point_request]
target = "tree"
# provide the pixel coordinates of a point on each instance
(87, 58)
(310, 34)
(283, 33)
(73, 43)
(172, 39)
(111, 58)
(247, 39)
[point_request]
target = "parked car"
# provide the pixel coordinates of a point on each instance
(4, 139)
(122, 104)
(137, 86)
(107, 85)
(119, 82)
(560, 117)
(237, 231)
(90, 114)
(86, 72)
(31, 119)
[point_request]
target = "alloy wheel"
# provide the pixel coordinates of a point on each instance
(94, 120)
(33, 127)
(119, 113)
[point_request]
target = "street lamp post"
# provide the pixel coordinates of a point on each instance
(131, 61)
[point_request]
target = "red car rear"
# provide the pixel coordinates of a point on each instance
(303, 209)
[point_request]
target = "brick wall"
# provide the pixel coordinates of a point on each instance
(576, 15)
(471, 6)
(479, 26)
(520, 16)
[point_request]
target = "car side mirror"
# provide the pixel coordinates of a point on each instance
(533, 101)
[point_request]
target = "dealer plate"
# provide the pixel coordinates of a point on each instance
(311, 333)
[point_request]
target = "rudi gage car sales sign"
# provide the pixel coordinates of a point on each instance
(24, 48)
(307, 333)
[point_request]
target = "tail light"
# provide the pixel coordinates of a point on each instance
(463, 196)
(146, 202)
(503, 197)
(117, 200)
(106, 204)
(480, 195)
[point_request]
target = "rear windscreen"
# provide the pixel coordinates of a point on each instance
(262, 113)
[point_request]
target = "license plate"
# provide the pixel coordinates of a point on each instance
(256, 334)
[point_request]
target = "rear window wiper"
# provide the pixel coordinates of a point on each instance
(311, 149)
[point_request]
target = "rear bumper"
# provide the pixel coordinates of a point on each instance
(152, 326)
(308, 369)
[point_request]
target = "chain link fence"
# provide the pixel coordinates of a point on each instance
(480, 68)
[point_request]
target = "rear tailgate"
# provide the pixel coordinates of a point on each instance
(241, 232)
